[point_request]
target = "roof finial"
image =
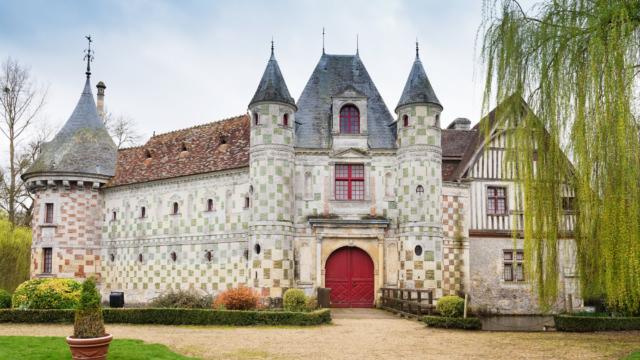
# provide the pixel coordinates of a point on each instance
(417, 49)
(272, 55)
(357, 44)
(323, 40)
(88, 55)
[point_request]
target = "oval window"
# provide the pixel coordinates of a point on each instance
(418, 250)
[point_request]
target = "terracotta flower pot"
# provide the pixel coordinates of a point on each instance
(89, 349)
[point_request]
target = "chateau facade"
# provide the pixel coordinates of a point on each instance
(329, 191)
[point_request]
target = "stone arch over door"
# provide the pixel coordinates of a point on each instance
(350, 273)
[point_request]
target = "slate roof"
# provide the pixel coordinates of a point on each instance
(83, 145)
(332, 75)
(454, 146)
(272, 86)
(205, 152)
(418, 88)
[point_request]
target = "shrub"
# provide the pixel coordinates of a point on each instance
(450, 306)
(88, 322)
(596, 323)
(182, 299)
(294, 300)
(240, 298)
(452, 322)
(311, 303)
(47, 294)
(175, 317)
(5, 299)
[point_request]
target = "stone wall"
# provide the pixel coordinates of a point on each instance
(74, 235)
(210, 246)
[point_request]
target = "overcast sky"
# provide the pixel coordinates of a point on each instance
(174, 64)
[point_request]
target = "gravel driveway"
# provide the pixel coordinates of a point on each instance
(361, 334)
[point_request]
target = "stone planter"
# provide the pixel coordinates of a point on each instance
(89, 349)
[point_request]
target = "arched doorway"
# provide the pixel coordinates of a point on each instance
(349, 275)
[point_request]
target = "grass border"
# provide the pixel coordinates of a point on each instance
(595, 323)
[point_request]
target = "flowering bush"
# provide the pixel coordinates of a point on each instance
(47, 294)
(240, 298)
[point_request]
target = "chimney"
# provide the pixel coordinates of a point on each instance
(460, 124)
(100, 105)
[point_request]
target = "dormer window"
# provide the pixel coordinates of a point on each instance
(405, 120)
(349, 120)
(285, 120)
(256, 119)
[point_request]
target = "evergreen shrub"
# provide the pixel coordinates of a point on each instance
(452, 322)
(88, 322)
(595, 323)
(5, 299)
(450, 306)
(294, 300)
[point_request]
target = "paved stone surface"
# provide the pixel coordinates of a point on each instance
(375, 336)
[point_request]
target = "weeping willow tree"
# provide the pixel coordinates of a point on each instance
(576, 63)
(15, 254)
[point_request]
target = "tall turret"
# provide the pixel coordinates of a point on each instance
(419, 182)
(65, 179)
(272, 111)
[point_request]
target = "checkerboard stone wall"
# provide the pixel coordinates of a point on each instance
(418, 199)
(191, 233)
(455, 249)
(272, 200)
(74, 235)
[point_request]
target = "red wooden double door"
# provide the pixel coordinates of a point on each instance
(349, 275)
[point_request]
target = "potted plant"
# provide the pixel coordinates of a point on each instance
(89, 340)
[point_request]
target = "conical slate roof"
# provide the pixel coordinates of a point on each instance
(332, 75)
(272, 86)
(418, 88)
(83, 145)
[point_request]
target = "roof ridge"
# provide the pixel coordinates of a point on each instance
(197, 126)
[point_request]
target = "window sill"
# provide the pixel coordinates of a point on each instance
(48, 225)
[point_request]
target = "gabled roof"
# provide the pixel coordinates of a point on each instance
(332, 75)
(272, 87)
(83, 145)
(418, 89)
(216, 146)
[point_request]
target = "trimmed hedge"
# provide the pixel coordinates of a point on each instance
(175, 317)
(445, 322)
(595, 323)
(450, 306)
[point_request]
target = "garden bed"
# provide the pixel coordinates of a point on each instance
(175, 317)
(595, 323)
(445, 322)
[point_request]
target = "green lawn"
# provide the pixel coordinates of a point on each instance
(633, 356)
(44, 348)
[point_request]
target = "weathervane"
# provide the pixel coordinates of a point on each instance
(88, 55)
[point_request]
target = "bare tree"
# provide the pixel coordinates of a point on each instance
(122, 129)
(20, 103)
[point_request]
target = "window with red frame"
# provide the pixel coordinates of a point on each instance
(349, 120)
(285, 120)
(496, 200)
(349, 182)
(48, 214)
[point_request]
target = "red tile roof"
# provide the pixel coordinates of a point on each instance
(215, 146)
